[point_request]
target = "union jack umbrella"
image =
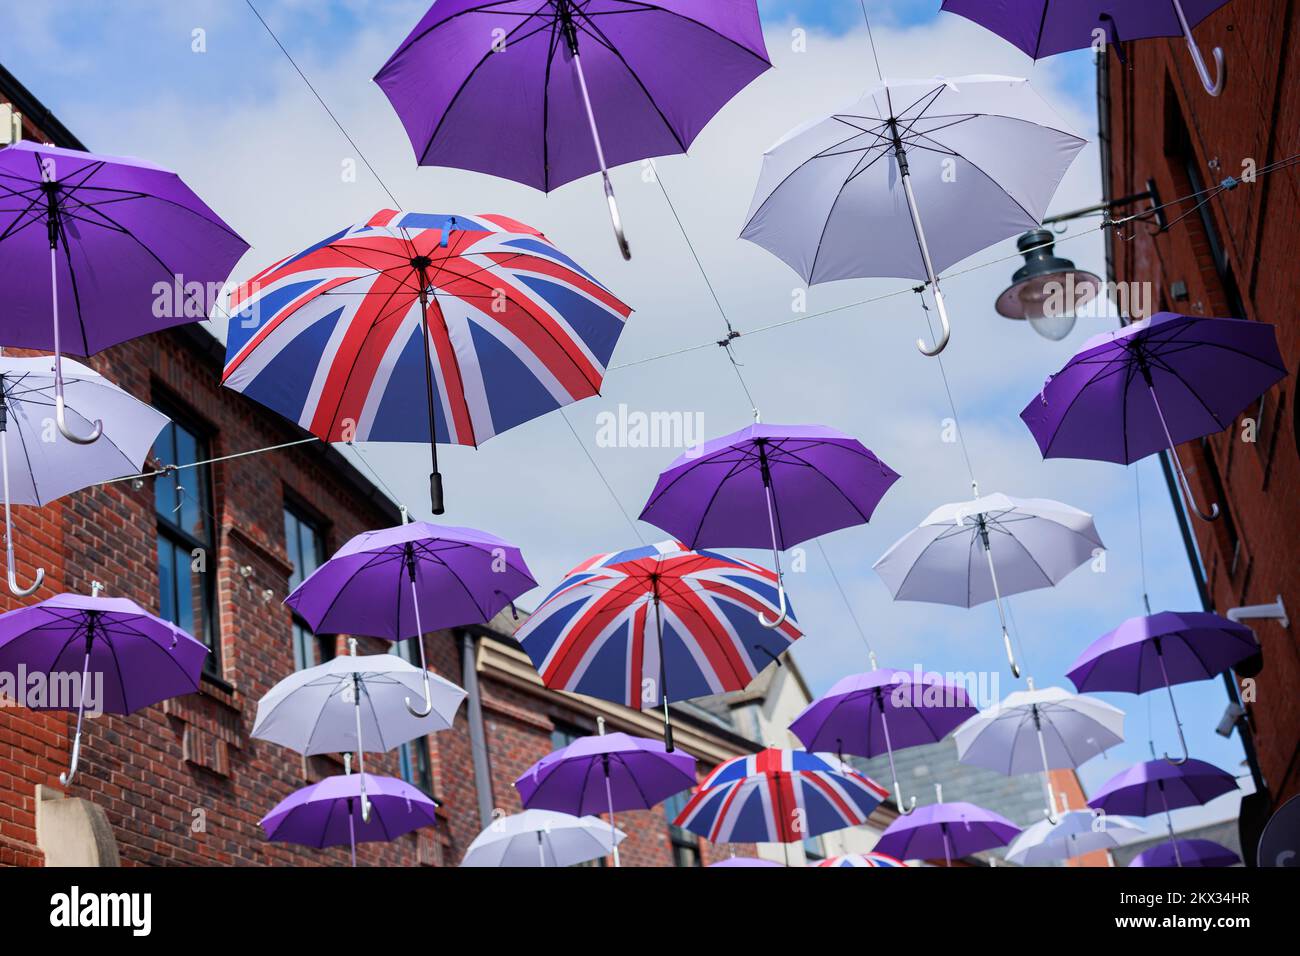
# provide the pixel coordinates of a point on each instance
(779, 796)
(864, 859)
(634, 626)
(479, 319)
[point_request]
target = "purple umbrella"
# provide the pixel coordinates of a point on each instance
(1186, 853)
(1158, 382)
(744, 861)
(328, 813)
(460, 576)
(768, 485)
(111, 231)
(140, 659)
(1161, 650)
(607, 772)
(882, 711)
(1045, 27)
(947, 829)
(500, 87)
(1156, 786)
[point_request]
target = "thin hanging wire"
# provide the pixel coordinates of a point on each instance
(636, 530)
(872, 38)
(1142, 550)
(848, 605)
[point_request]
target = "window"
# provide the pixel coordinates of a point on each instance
(685, 844)
(813, 849)
(187, 536)
(562, 735)
(305, 545)
(413, 763)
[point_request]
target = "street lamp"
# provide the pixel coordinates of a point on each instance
(1049, 291)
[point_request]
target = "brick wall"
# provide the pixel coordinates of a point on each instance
(1152, 100)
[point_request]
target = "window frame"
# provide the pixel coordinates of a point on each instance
(304, 516)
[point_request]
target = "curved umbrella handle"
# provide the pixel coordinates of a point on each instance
(61, 419)
(428, 700)
(1178, 721)
(12, 567)
(785, 609)
(424, 669)
(65, 778)
(946, 328)
(1214, 85)
(889, 749)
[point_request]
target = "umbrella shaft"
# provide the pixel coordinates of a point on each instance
(435, 479)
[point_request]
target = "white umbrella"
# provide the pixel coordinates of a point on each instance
(354, 703)
(542, 838)
(1076, 833)
(978, 157)
(1039, 731)
(51, 466)
(970, 552)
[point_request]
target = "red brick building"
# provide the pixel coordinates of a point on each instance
(1234, 256)
(183, 782)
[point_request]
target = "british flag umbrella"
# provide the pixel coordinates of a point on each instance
(779, 796)
(863, 860)
(636, 626)
(480, 320)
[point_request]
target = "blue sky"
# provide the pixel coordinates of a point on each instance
(244, 131)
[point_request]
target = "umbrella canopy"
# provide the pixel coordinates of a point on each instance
(976, 159)
(137, 659)
(1160, 650)
(542, 838)
(882, 711)
(1043, 28)
(1186, 853)
(1157, 786)
(312, 710)
(1025, 543)
(328, 813)
(108, 231)
(473, 76)
(863, 859)
(1039, 730)
(657, 623)
(779, 796)
(819, 480)
(1077, 832)
(479, 322)
(1151, 385)
(744, 861)
(768, 486)
(606, 773)
(406, 581)
(945, 830)
(50, 469)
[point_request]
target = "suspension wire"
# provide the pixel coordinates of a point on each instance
(361, 457)
(848, 605)
(164, 468)
(601, 475)
(1142, 550)
(324, 105)
(872, 38)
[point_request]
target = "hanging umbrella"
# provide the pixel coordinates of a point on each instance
(354, 703)
(606, 773)
(1039, 730)
(735, 861)
(110, 232)
(328, 813)
(1043, 28)
(501, 88)
(945, 829)
(1076, 833)
(882, 711)
(542, 838)
(1027, 543)
(768, 485)
(377, 583)
(657, 623)
(51, 469)
(477, 321)
(1152, 385)
(979, 156)
(1161, 650)
(1186, 853)
(779, 796)
(1157, 786)
(863, 859)
(136, 658)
